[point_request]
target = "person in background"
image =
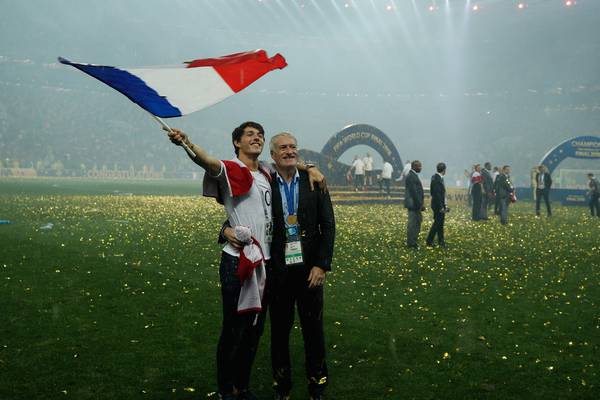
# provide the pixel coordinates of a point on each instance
(358, 166)
(504, 192)
(413, 202)
(386, 176)
(438, 205)
(543, 182)
(368, 162)
(405, 171)
(495, 174)
(488, 190)
(594, 193)
(476, 192)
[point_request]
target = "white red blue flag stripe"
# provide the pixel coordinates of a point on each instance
(173, 91)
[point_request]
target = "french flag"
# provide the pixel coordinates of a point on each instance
(173, 91)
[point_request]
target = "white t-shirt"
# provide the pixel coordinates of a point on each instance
(252, 210)
(386, 173)
(368, 161)
(359, 167)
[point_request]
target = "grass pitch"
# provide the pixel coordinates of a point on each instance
(119, 298)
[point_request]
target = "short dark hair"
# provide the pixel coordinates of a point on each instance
(237, 133)
(487, 165)
(590, 174)
(414, 162)
(441, 167)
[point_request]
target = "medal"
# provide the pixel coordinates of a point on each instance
(292, 219)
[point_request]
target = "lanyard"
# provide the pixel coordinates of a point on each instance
(290, 196)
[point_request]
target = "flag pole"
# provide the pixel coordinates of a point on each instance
(167, 127)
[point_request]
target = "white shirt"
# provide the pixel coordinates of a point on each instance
(252, 210)
(386, 173)
(368, 161)
(359, 167)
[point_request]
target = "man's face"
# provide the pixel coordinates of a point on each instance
(417, 167)
(251, 142)
(478, 168)
(285, 154)
(507, 170)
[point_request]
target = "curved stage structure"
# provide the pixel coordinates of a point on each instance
(350, 136)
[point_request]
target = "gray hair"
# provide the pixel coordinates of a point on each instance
(276, 137)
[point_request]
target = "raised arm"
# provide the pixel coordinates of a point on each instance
(201, 157)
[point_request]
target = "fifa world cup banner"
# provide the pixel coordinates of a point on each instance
(582, 147)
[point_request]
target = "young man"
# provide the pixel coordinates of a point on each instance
(594, 193)
(243, 186)
(413, 202)
(438, 205)
(543, 183)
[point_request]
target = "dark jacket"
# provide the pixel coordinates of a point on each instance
(547, 181)
(413, 193)
(503, 186)
(488, 181)
(316, 222)
(438, 193)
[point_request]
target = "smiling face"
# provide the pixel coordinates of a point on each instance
(251, 142)
(284, 151)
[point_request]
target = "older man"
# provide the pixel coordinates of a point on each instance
(302, 249)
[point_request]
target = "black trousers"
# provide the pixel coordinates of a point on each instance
(386, 183)
(437, 228)
(240, 333)
(545, 194)
(496, 204)
(289, 289)
(594, 205)
(477, 198)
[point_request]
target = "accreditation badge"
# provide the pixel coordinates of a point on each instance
(293, 252)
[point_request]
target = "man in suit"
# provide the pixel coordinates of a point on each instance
(438, 205)
(495, 174)
(504, 191)
(594, 193)
(310, 223)
(543, 183)
(301, 254)
(488, 190)
(414, 203)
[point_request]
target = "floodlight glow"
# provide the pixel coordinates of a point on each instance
(570, 3)
(389, 7)
(521, 6)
